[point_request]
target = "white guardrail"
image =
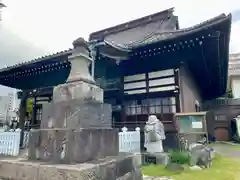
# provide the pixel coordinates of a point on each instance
(129, 141)
(9, 143)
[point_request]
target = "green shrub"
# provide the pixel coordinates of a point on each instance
(179, 157)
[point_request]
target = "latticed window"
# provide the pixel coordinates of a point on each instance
(115, 105)
(39, 114)
(133, 107)
(162, 105)
(151, 106)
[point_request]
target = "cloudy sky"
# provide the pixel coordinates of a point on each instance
(31, 28)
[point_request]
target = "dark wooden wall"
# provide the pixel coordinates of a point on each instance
(223, 112)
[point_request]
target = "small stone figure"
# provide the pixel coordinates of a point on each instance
(154, 135)
(200, 155)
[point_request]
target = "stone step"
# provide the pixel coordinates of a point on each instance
(121, 167)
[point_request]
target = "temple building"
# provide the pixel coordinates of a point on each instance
(145, 66)
(234, 74)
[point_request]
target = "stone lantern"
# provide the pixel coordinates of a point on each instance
(80, 84)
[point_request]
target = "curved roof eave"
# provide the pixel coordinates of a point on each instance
(37, 60)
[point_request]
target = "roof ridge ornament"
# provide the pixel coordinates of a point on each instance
(80, 42)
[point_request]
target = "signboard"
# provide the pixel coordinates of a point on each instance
(197, 125)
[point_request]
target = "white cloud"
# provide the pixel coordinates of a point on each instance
(14, 50)
(54, 24)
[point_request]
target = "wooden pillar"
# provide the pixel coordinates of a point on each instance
(123, 110)
(147, 94)
(34, 111)
(177, 93)
(22, 110)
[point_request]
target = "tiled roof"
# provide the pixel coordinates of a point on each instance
(151, 32)
(135, 24)
(161, 36)
(146, 24)
(134, 35)
(37, 60)
(155, 32)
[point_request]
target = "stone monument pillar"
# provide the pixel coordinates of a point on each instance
(76, 127)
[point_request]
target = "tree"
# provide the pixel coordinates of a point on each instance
(30, 105)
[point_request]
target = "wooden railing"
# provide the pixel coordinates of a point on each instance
(221, 102)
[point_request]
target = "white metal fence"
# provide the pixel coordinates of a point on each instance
(9, 143)
(129, 141)
(25, 139)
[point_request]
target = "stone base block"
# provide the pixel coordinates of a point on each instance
(121, 167)
(155, 158)
(72, 146)
(75, 114)
(79, 89)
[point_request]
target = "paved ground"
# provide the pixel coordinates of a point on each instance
(227, 150)
(156, 178)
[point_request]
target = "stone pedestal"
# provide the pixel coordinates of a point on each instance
(76, 114)
(72, 146)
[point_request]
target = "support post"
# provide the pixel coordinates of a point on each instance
(33, 120)
(123, 108)
(147, 93)
(22, 109)
(177, 93)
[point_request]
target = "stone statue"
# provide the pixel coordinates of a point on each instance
(154, 135)
(200, 155)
